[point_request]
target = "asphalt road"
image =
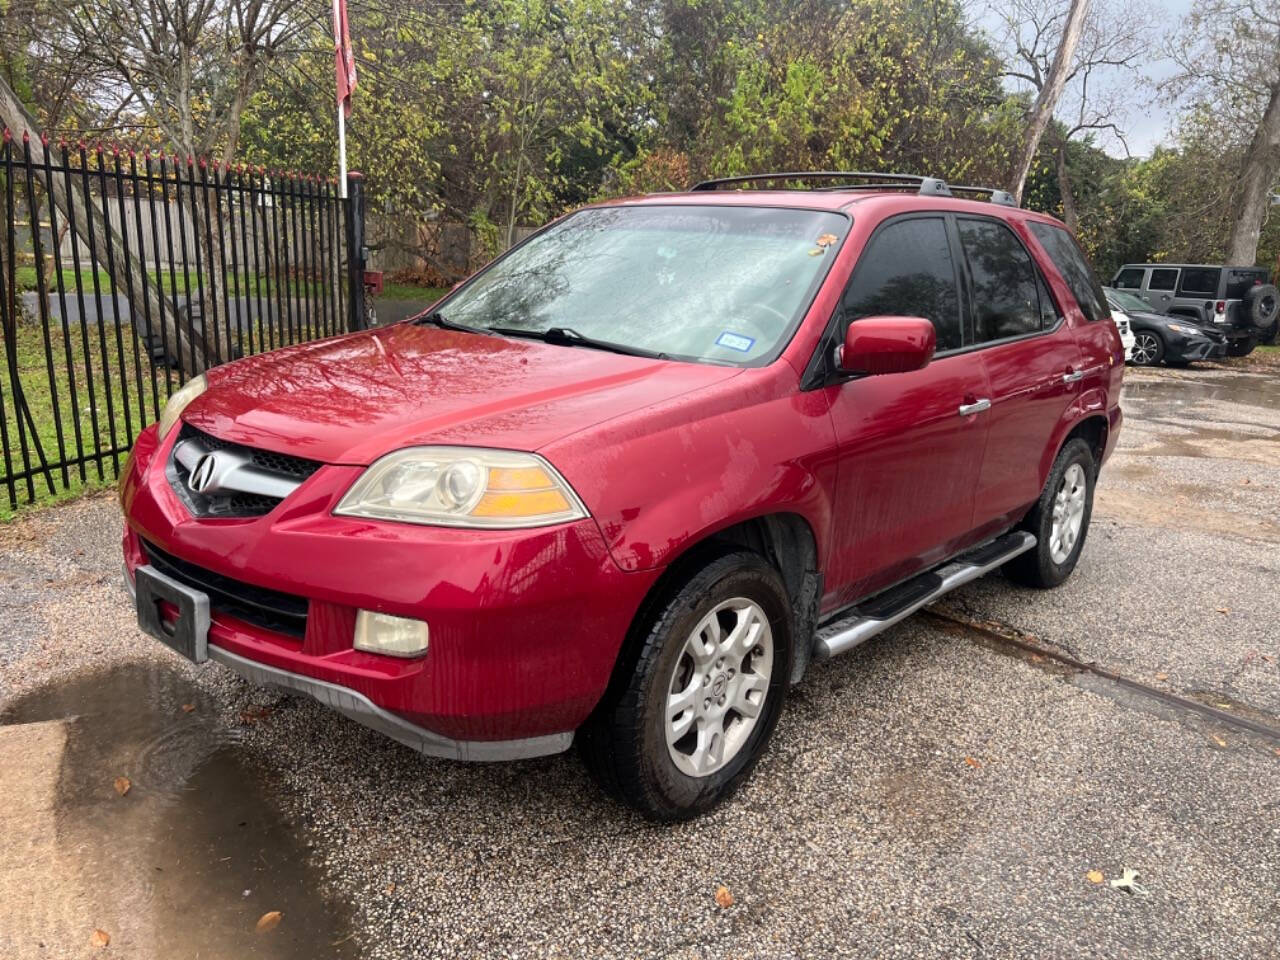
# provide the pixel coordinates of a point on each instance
(932, 794)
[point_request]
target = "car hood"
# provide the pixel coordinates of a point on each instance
(353, 398)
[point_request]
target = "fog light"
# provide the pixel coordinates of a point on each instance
(394, 636)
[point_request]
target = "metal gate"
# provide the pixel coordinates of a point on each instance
(124, 274)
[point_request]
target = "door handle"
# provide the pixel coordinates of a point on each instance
(969, 409)
(1072, 376)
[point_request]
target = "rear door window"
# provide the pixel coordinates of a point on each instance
(1129, 278)
(1165, 278)
(1199, 282)
(1071, 263)
(907, 271)
(1006, 302)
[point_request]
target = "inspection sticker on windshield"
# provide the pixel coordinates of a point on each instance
(735, 341)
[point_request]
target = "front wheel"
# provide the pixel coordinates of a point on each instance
(1059, 520)
(1148, 349)
(701, 691)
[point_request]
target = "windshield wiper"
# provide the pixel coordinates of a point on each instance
(438, 319)
(568, 337)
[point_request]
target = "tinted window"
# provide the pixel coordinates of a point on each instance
(1049, 315)
(906, 271)
(1005, 300)
(1163, 279)
(1130, 278)
(1200, 281)
(1075, 270)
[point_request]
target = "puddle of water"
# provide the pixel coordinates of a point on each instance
(187, 861)
(1254, 390)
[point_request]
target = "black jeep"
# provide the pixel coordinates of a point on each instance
(1238, 301)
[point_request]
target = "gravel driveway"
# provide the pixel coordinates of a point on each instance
(932, 794)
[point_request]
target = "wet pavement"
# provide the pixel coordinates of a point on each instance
(186, 859)
(935, 793)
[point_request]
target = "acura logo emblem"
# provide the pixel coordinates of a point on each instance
(202, 476)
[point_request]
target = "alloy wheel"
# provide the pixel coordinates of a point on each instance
(718, 687)
(1145, 349)
(1068, 513)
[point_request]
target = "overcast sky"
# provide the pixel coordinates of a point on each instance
(1149, 119)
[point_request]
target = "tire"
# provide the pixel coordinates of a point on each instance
(626, 745)
(1047, 565)
(1262, 306)
(1148, 348)
(1269, 334)
(1242, 347)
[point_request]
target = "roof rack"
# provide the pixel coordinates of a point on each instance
(925, 186)
(1002, 197)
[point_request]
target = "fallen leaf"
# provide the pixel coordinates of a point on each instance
(99, 939)
(1162, 676)
(1095, 876)
(1219, 741)
(389, 888)
(122, 785)
(254, 714)
(188, 707)
(268, 921)
(1223, 610)
(972, 762)
(1277, 751)
(723, 897)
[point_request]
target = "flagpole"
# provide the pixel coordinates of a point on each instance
(342, 120)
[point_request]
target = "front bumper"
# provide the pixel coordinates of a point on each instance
(525, 625)
(1188, 349)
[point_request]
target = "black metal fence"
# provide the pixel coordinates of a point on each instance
(123, 274)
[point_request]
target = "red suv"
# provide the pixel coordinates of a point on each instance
(623, 485)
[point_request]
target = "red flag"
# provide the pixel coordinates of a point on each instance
(344, 60)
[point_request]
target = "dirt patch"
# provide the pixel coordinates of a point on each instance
(1177, 511)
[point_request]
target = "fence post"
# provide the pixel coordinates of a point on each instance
(355, 250)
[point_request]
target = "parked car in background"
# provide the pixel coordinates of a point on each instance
(1241, 302)
(611, 487)
(1126, 332)
(1174, 340)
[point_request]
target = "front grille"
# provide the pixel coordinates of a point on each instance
(279, 469)
(269, 609)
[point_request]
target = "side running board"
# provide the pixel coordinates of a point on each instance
(882, 611)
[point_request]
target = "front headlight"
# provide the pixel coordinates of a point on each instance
(463, 487)
(1185, 330)
(178, 402)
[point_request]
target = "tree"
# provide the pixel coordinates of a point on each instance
(1099, 84)
(1228, 54)
(1049, 90)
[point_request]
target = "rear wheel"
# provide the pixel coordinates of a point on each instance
(682, 729)
(1148, 348)
(1059, 519)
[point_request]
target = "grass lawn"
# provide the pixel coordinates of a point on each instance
(44, 394)
(242, 282)
(405, 291)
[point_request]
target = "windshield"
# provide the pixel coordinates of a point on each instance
(713, 283)
(1125, 302)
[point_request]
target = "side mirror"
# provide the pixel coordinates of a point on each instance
(886, 345)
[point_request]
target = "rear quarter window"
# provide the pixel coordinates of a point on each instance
(1074, 267)
(1199, 281)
